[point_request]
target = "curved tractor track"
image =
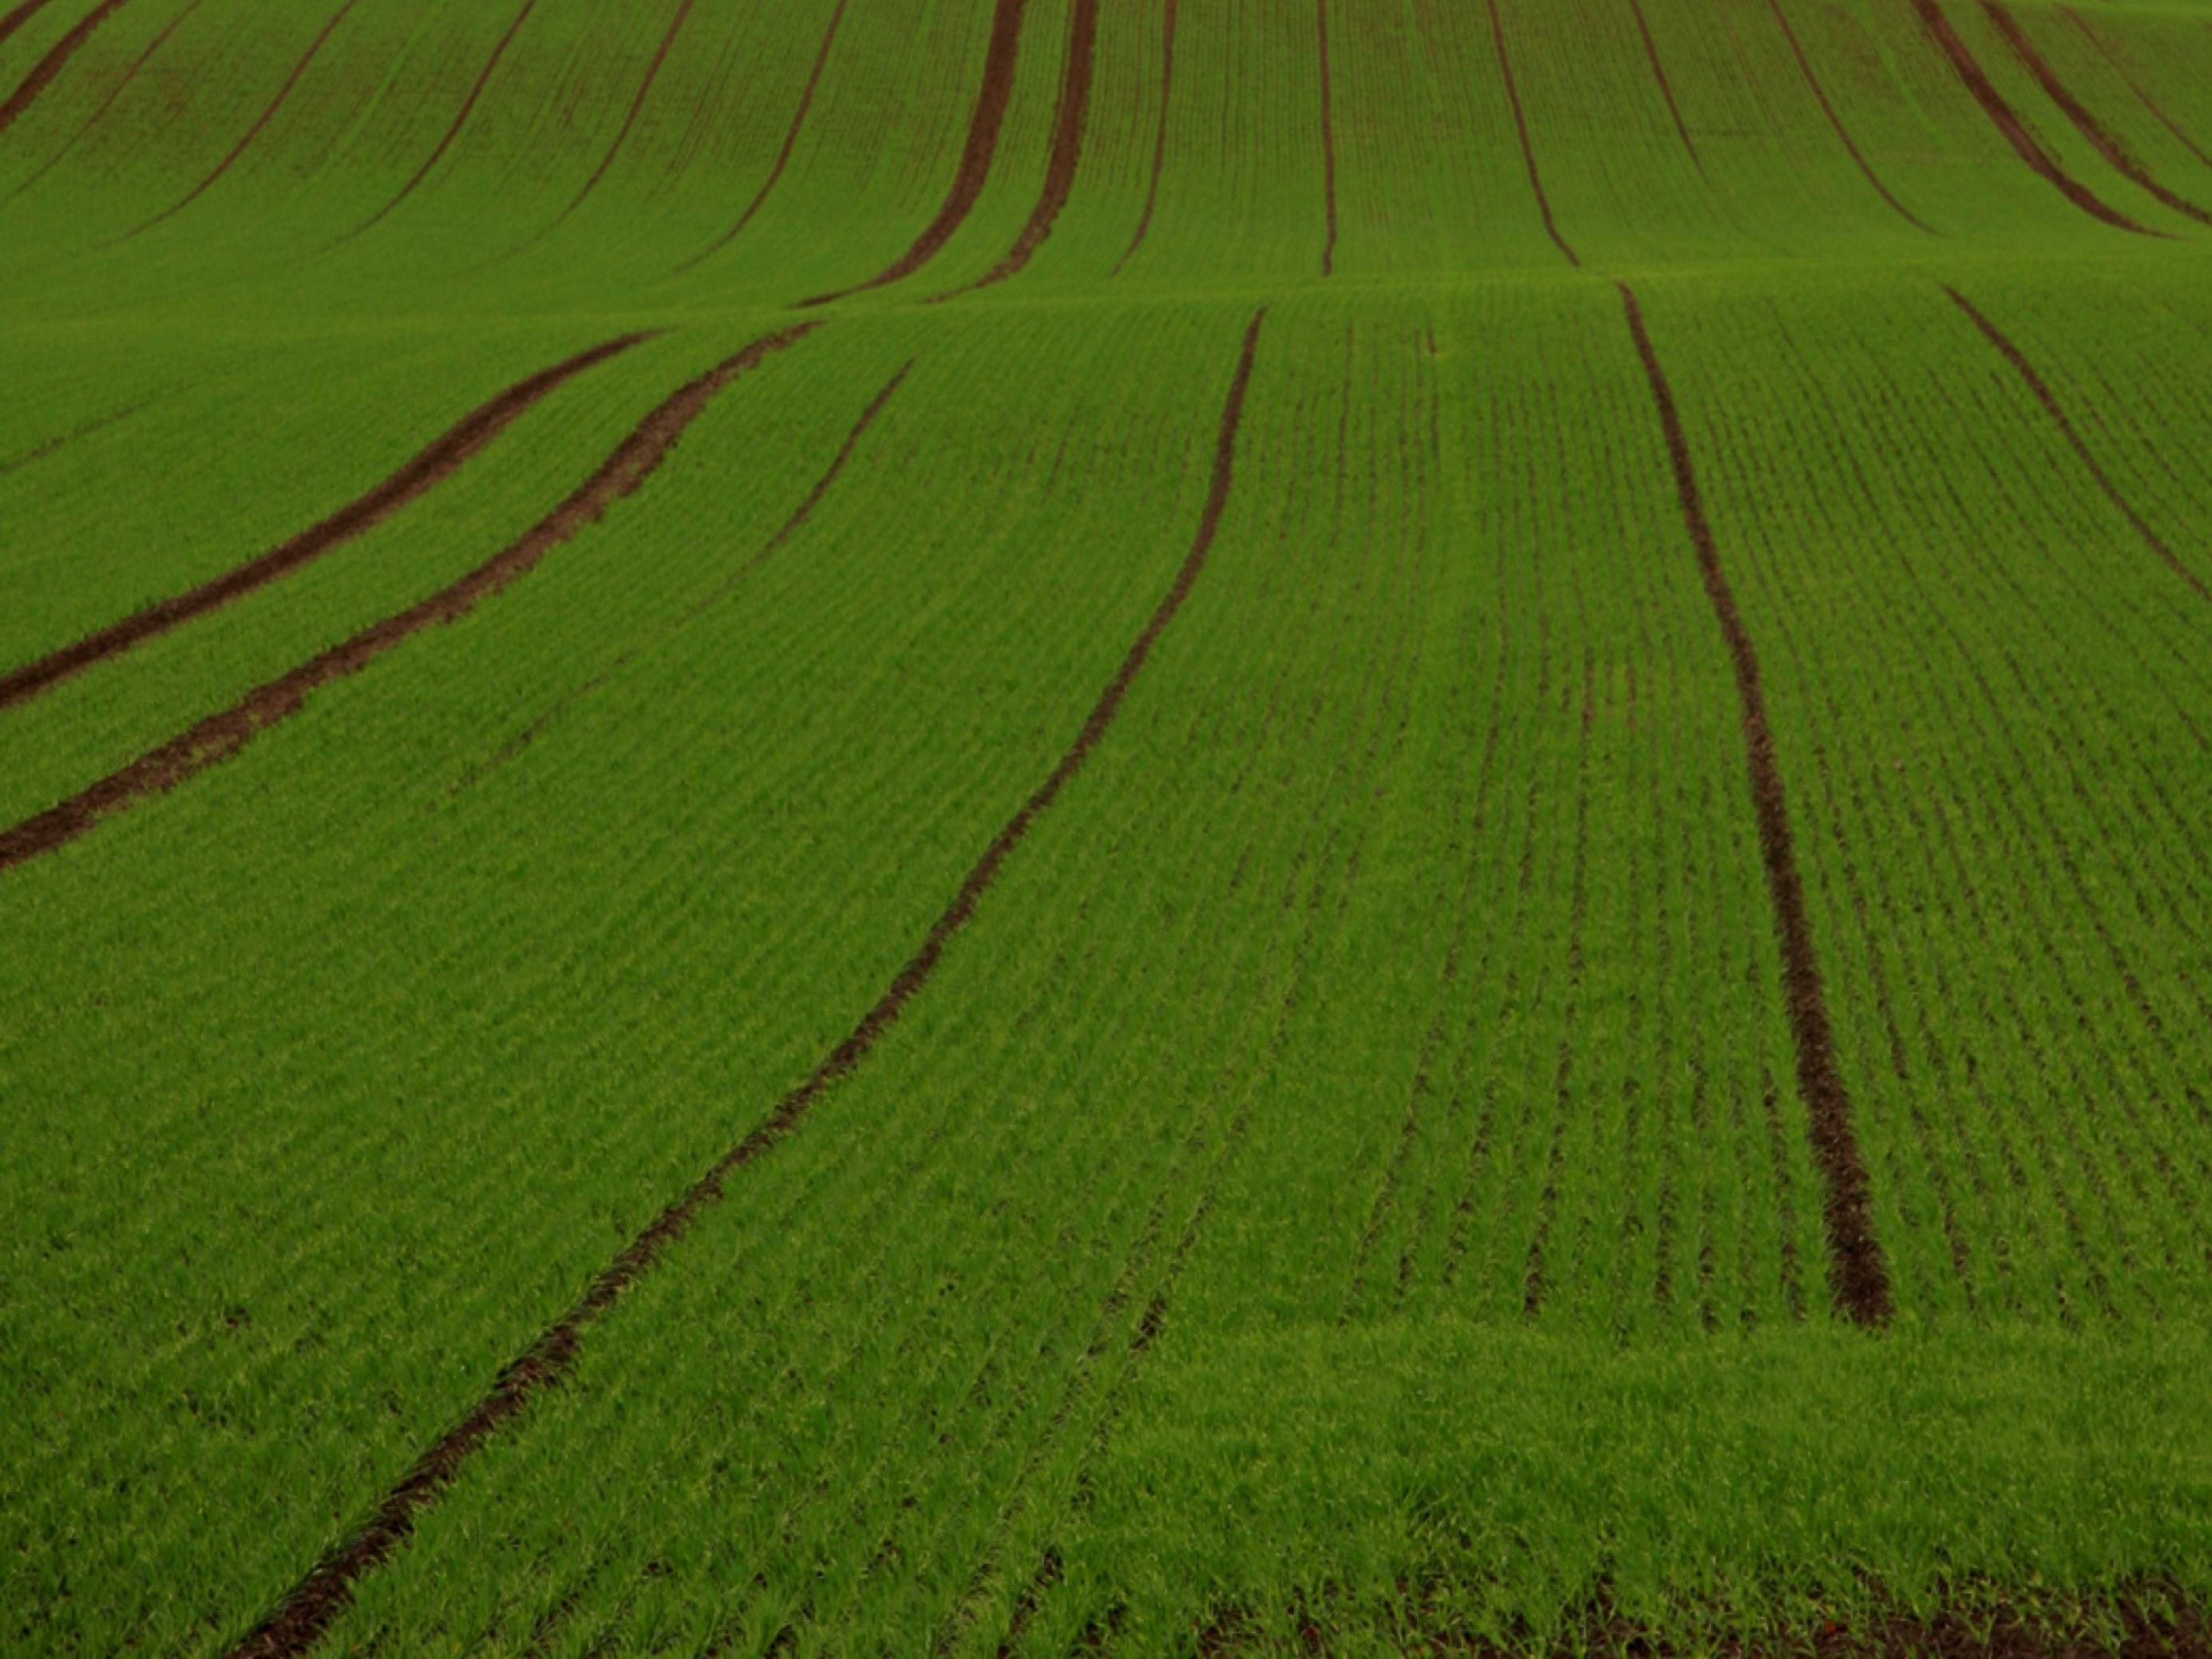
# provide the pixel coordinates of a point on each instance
(44, 71)
(424, 472)
(114, 93)
(219, 735)
(1159, 137)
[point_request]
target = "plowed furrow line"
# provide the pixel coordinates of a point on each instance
(267, 115)
(308, 1612)
(460, 119)
(431, 467)
(1067, 148)
(1858, 1271)
(1835, 121)
(1159, 137)
(2142, 96)
(57, 59)
(2034, 382)
(976, 155)
(1328, 142)
(22, 14)
(219, 735)
(114, 93)
(1666, 88)
(630, 120)
(783, 154)
(1520, 126)
(2101, 137)
(2007, 121)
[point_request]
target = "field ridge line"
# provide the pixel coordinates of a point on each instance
(219, 736)
(267, 115)
(57, 59)
(114, 93)
(1858, 1271)
(1066, 148)
(428, 468)
(2035, 383)
(2007, 121)
(1159, 137)
(2099, 136)
(453, 132)
(306, 1614)
(1520, 126)
(783, 154)
(976, 153)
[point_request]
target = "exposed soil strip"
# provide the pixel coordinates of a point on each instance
(2013, 355)
(1327, 141)
(1836, 121)
(1159, 137)
(43, 72)
(1067, 148)
(783, 155)
(251, 132)
(424, 473)
(1520, 125)
(114, 93)
(990, 114)
(21, 15)
(460, 120)
(2003, 117)
(39, 451)
(1857, 1273)
(630, 120)
(1666, 88)
(2102, 139)
(2142, 96)
(308, 1612)
(221, 735)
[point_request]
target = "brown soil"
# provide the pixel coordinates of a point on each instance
(1666, 89)
(2101, 139)
(1520, 125)
(2003, 117)
(22, 14)
(424, 472)
(1836, 121)
(1857, 1273)
(114, 93)
(251, 132)
(309, 1610)
(1067, 148)
(630, 120)
(2025, 370)
(54, 62)
(221, 735)
(1328, 142)
(460, 120)
(1159, 137)
(782, 155)
(990, 114)
(2142, 96)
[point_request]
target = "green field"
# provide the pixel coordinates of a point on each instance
(1171, 827)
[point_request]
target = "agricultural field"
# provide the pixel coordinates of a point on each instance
(1046, 828)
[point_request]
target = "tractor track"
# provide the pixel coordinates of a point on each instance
(1665, 87)
(1520, 126)
(1159, 137)
(976, 156)
(12, 21)
(1858, 1271)
(219, 736)
(1327, 141)
(57, 59)
(114, 93)
(1843, 133)
(306, 1614)
(630, 120)
(423, 473)
(2142, 96)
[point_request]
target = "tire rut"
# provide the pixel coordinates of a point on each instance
(453, 132)
(2142, 96)
(783, 154)
(2007, 121)
(976, 156)
(1327, 141)
(219, 736)
(428, 468)
(307, 1612)
(114, 93)
(268, 114)
(39, 452)
(1066, 148)
(1159, 137)
(56, 60)
(12, 21)
(2034, 382)
(1666, 88)
(1858, 1271)
(621, 135)
(2100, 137)
(1520, 126)
(1843, 133)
